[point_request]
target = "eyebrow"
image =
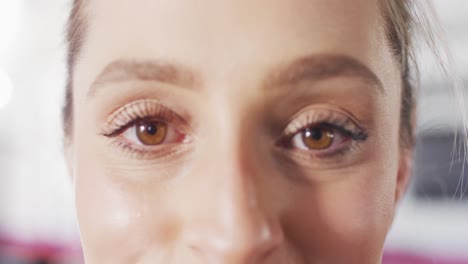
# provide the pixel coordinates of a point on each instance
(309, 68)
(321, 67)
(158, 71)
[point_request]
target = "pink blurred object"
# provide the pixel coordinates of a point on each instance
(29, 252)
(54, 253)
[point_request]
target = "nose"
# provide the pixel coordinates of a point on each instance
(243, 243)
(233, 220)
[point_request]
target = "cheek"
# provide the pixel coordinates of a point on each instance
(360, 210)
(351, 216)
(353, 213)
(120, 220)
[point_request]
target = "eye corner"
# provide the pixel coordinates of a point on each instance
(112, 132)
(361, 136)
(284, 141)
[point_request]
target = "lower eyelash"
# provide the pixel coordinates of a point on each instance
(140, 153)
(306, 158)
(126, 147)
(340, 151)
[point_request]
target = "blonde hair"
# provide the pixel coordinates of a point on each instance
(415, 22)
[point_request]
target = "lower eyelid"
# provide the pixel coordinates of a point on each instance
(132, 149)
(172, 135)
(145, 152)
(341, 149)
(331, 158)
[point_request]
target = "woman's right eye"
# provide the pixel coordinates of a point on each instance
(152, 133)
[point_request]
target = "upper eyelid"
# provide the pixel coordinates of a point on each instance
(125, 108)
(144, 109)
(293, 125)
(122, 113)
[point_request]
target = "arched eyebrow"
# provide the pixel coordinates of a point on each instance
(320, 67)
(310, 68)
(157, 71)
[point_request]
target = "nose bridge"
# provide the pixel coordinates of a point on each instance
(238, 226)
(242, 215)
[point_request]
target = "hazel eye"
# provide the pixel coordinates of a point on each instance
(317, 138)
(152, 133)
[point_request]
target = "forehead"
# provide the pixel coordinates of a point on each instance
(229, 36)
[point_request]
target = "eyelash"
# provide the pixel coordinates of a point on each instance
(328, 119)
(149, 110)
(129, 115)
(141, 111)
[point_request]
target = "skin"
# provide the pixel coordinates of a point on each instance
(235, 76)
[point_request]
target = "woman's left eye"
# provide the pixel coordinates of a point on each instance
(318, 137)
(152, 133)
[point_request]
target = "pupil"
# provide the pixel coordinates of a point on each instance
(151, 129)
(315, 134)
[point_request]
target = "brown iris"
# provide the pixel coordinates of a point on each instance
(151, 132)
(317, 137)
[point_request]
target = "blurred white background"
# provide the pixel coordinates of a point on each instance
(36, 193)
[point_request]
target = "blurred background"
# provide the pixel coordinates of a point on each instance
(37, 222)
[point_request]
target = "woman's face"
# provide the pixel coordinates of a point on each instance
(235, 132)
